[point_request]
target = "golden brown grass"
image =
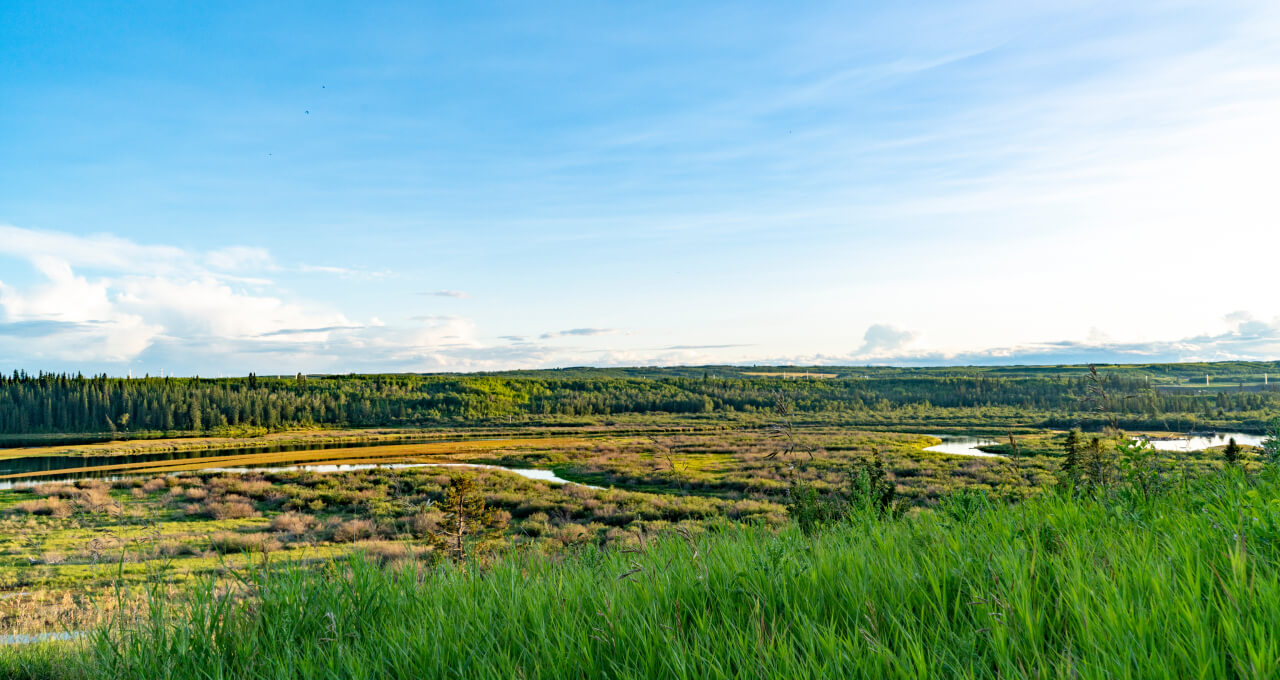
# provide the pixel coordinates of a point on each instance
(428, 452)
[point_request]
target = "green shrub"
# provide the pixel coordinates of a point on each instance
(868, 492)
(964, 504)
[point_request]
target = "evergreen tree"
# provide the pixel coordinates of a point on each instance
(1271, 445)
(1096, 463)
(193, 417)
(1231, 454)
(467, 521)
(1071, 459)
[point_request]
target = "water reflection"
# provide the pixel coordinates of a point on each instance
(29, 464)
(964, 446)
(32, 638)
(528, 473)
(1199, 441)
(38, 464)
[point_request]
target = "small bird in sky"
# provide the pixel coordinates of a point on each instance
(307, 112)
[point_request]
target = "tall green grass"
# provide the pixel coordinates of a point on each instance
(1182, 585)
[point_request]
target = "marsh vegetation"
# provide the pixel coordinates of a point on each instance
(732, 533)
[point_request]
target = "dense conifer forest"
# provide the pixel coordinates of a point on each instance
(1166, 396)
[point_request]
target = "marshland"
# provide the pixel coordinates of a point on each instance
(680, 522)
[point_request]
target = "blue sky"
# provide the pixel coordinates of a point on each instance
(469, 186)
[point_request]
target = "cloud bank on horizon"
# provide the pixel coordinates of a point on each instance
(221, 306)
(445, 189)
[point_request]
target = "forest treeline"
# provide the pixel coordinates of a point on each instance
(61, 403)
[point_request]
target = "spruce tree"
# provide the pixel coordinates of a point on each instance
(467, 521)
(1271, 445)
(1231, 454)
(1071, 458)
(1096, 464)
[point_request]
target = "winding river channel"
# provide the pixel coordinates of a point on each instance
(24, 470)
(1193, 441)
(29, 469)
(964, 446)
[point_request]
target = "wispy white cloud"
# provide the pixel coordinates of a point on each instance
(97, 251)
(457, 294)
(579, 332)
(240, 257)
(342, 272)
(309, 331)
(705, 347)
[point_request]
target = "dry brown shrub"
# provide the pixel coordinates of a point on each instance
(255, 488)
(578, 491)
(501, 518)
(155, 484)
(425, 523)
(352, 530)
(220, 485)
(58, 490)
(390, 553)
(292, 523)
(229, 509)
(572, 534)
(196, 493)
(231, 542)
(98, 500)
(47, 507)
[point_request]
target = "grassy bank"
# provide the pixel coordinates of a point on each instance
(1185, 583)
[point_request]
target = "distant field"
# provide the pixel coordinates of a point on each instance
(773, 374)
